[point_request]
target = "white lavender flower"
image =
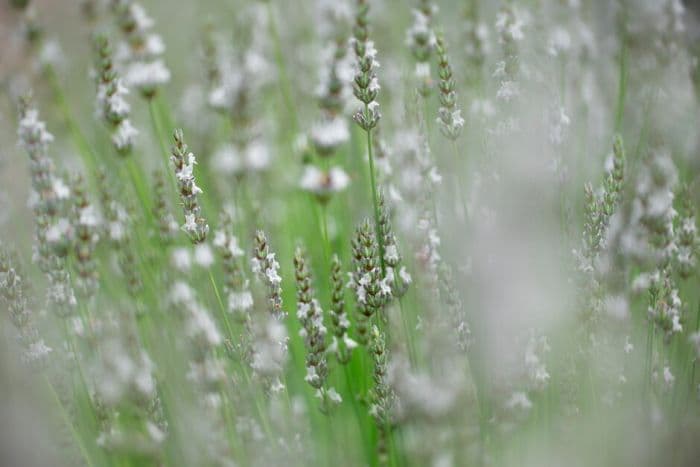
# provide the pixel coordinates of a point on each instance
(86, 222)
(366, 85)
(238, 297)
(449, 114)
(665, 306)
(329, 134)
(687, 236)
(650, 232)
(18, 302)
(145, 70)
(121, 372)
(269, 346)
(183, 160)
(313, 332)
(509, 24)
(536, 369)
(323, 183)
(421, 40)
(372, 292)
(147, 76)
(230, 159)
(382, 396)
(52, 234)
(342, 345)
(112, 106)
(266, 268)
(269, 350)
(199, 326)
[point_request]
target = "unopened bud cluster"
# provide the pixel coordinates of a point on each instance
(366, 84)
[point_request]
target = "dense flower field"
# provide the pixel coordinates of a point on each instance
(349, 232)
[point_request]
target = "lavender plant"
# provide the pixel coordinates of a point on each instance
(156, 308)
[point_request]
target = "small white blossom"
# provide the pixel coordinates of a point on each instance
(146, 76)
(124, 135)
(519, 400)
(203, 255)
(324, 183)
(329, 134)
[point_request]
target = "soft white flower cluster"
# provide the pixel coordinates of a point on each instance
(124, 377)
(238, 82)
(332, 15)
(509, 25)
(266, 268)
(332, 131)
(269, 352)
(239, 300)
(687, 245)
(112, 106)
(86, 224)
(33, 136)
(477, 45)
(121, 372)
(145, 69)
(509, 28)
(449, 114)
(536, 369)
(341, 344)
(665, 306)
(373, 290)
(366, 85)
(423, 392)
(383, 400)
(182, 258)
(559, 123)
(536, 374)
(329, 134)
(184, 161)
(13, 295)
(334, 89)
(653, 211)
(231, 159)
(336, 67)
(687, 236)
(322, 183)
(421, 40)
(235, 92)
(199, 325)
(429, 253)
(116, 221)
(49, 194)
(242, 72)
(313, 332)
(269, 333)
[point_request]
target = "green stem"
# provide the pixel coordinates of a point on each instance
(648, 358)
(622, 87)
(222, 308)
(139, 186)
(458, 183)
(157, 128)
(87, 154)
(284, 79)
(324, 231)
(695, 360)
(163, 110)
(412, 358)
(69, 423)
